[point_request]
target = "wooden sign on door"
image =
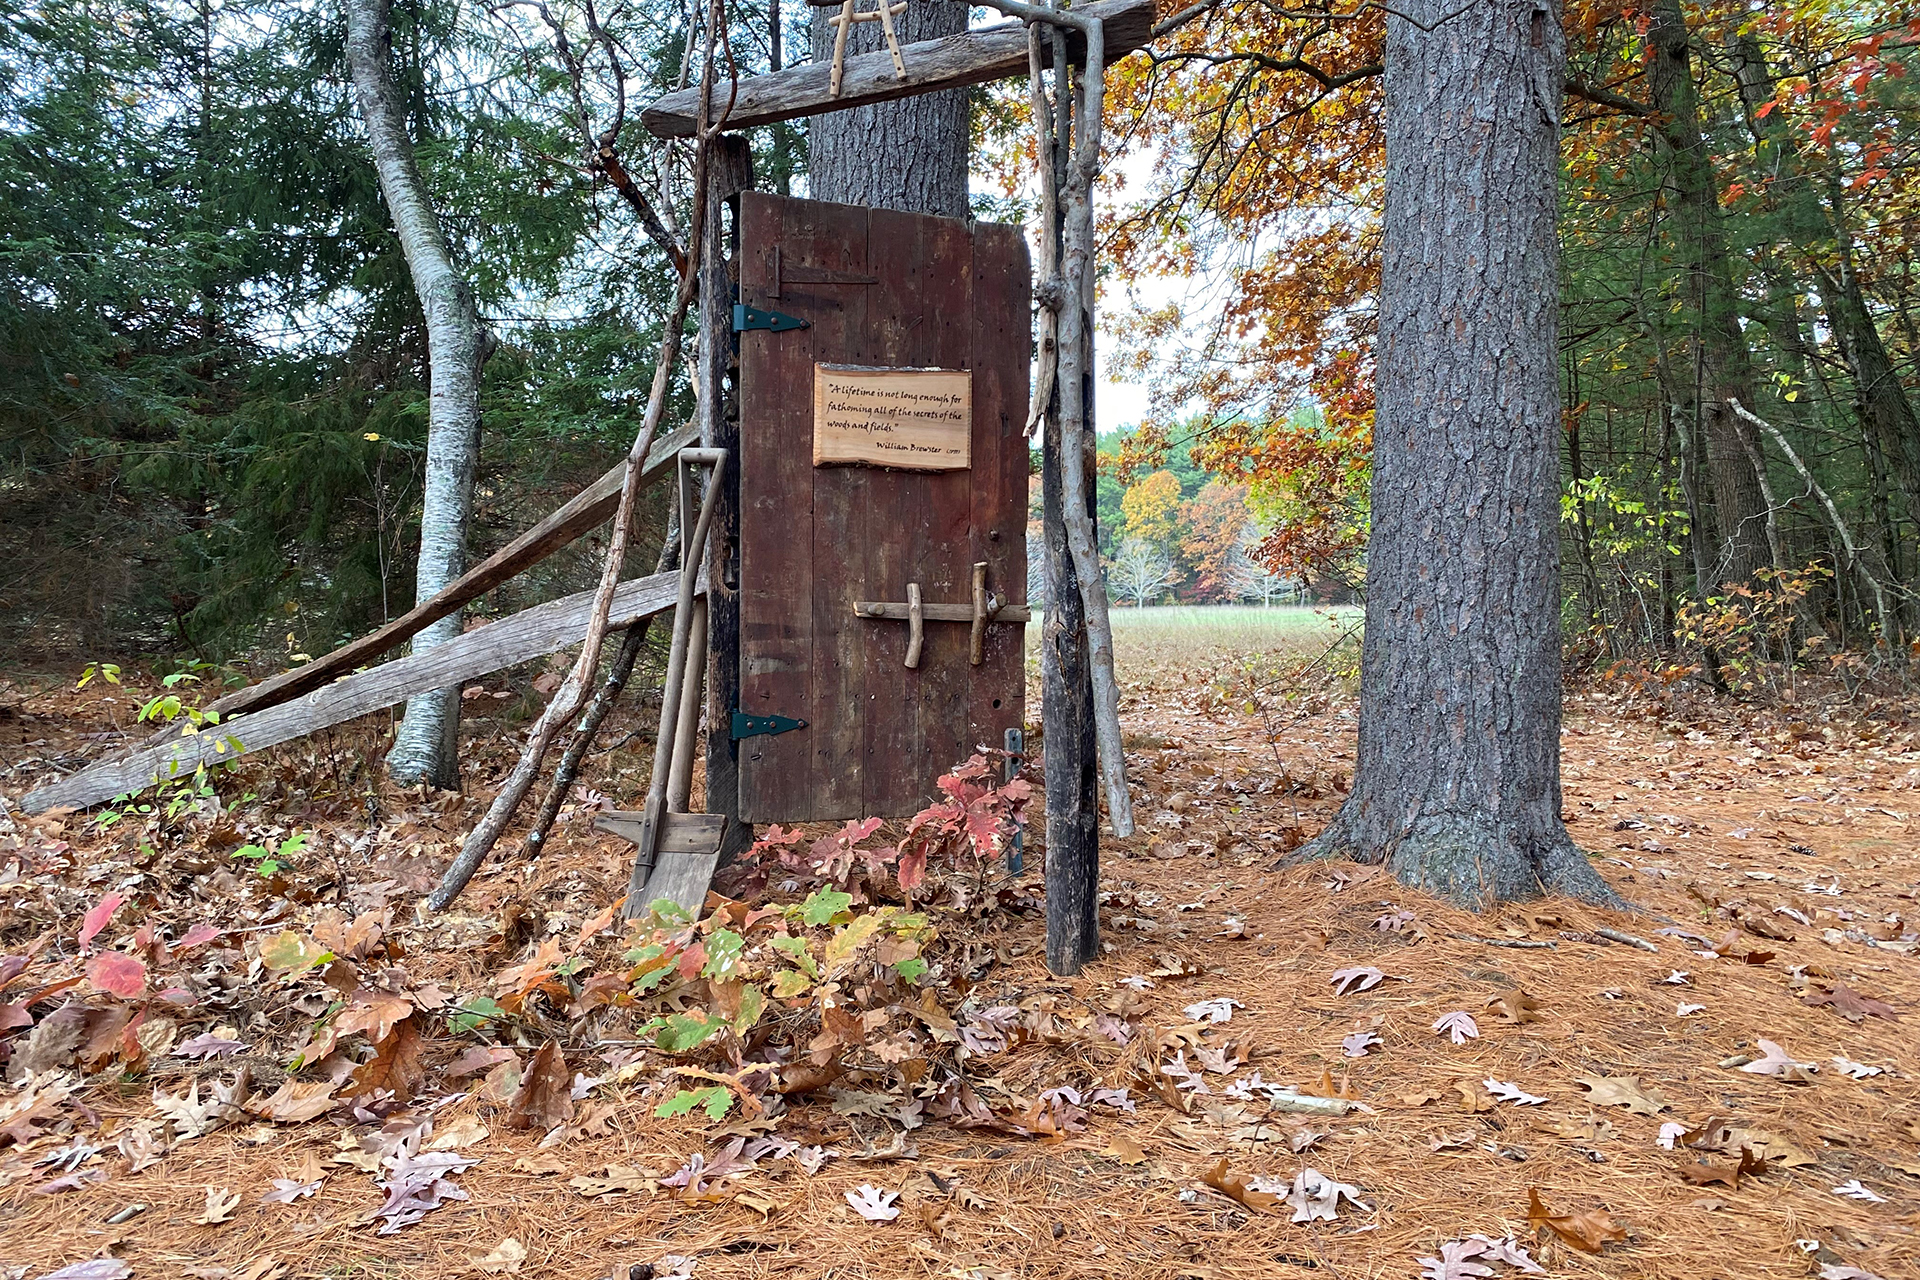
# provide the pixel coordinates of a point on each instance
(935, 314)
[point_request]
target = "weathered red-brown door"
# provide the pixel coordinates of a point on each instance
(894, 290)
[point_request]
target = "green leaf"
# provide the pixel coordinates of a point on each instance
(911, 969)
(824, 905)
(667, 911)
(753, 1003)
(680, 1032)
(652, 965)
(474, 1014)
(723, 954)
(796, 949)
(715, 1100)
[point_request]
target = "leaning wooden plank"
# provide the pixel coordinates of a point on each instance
(529, 634)
(951, 62)
(589, 508)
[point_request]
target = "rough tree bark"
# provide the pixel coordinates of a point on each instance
(1722, 363)
(426, 748)
(1457, 788)
(910, 154)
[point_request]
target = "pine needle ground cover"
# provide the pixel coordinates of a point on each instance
(1270, 1071)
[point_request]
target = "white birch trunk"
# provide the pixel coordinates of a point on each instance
(426, 747)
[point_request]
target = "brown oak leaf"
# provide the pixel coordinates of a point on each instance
(1515, 1006)
(1234, 1185)
(1587, 1231)
(1851, 1005)
(396, 1064)
(544, 1097)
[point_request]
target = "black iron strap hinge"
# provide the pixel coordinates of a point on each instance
(746, 317)
(746, 726)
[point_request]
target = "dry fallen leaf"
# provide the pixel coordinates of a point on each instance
(1587, 1231)
(1851, 1005)
(1515, 1006)
(462, 1132)
(397, 1064)
(1233, 1185)
(1623, 1091)
(544, 1098)
(1777, 1062)
(1472, 1096)
(1359, 978)
(1587, 1129)
(220, 1206)
(505, 1259)
(873, 1203)
(1459, 1024)
(296, 1101)
(1125, 1150)
(1314, 1196)
(617, 1178)
(1508, 1092)
(1701, 1174)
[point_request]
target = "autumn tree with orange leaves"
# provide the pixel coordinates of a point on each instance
(1737, 224)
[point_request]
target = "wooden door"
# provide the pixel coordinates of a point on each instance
(878, 288)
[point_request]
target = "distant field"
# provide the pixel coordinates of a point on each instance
(1181, 634)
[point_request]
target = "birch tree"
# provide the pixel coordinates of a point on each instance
(426, 747)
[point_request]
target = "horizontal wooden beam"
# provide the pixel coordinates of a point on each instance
(951, 62)
(586, 510)
(528, 634)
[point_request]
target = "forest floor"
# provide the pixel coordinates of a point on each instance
(1769, 852)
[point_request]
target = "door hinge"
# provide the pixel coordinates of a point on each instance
(746, 317)
(746, 726)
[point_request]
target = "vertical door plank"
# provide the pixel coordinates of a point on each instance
(776, 627)
(1002, 339)
(893, 555)
(835, 237)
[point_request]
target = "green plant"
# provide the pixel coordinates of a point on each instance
(268, 858)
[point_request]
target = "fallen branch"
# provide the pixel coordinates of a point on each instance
(1614, 935)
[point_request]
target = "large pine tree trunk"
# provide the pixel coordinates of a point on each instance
(1457, 789)
(908, 154)
(426, 748)
(1723, 364)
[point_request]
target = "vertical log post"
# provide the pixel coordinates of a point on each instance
(719, 416)
(1066, 672)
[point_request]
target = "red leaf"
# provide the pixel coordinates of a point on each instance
(1764, 109)
(96, 919)
(120, 974)
(912, 867)
(198, 936)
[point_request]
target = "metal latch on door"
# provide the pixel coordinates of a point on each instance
(986, 608)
